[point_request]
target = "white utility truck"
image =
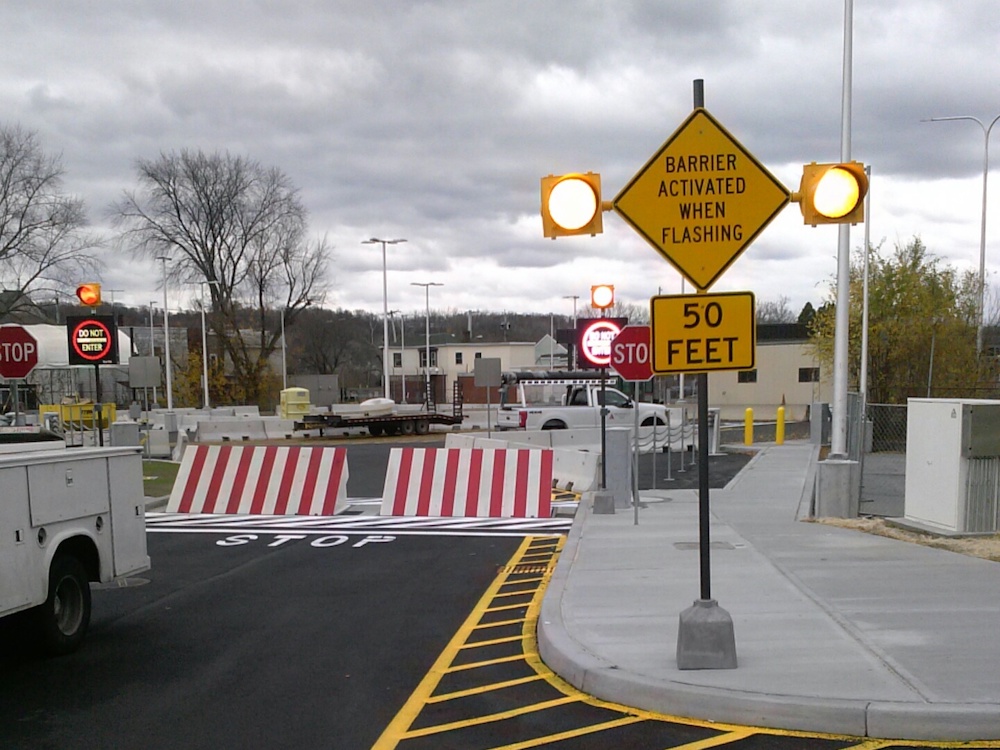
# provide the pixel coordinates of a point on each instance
(68, 516)
(565, 400)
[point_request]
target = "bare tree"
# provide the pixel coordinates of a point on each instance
(776, 311)
(229, 221)
(43, 244)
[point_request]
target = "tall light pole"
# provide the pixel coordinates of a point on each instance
(982, 231)
(573, 297)
(838, 436)
(427, 335)
(152, 345)
(166, 335)
(385, 309)
(204, 341)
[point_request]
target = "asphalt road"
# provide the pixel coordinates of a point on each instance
(256, 637)
(251, 645)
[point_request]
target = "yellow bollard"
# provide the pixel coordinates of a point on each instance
(748, 427)
(779, 429)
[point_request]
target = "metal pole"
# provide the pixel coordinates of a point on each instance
(152, 347)
(573, 297)
(838, 438)
(863, 386)
(402, 353)
(284, 361)
(704, 518)
(604, 431)
(166, 337)
(385, 325)
(385, 309)
(635, 454)
(204, 346)
(427, 336)
(427, 345)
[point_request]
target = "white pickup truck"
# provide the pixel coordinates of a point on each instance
(67, 517)
(552, 404)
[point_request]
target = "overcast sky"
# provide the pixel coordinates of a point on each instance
(434, 120)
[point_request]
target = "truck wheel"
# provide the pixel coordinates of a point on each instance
(408, 427)
(650, 421)
(63, 619)
(375, 430)
(423, 426)
(554, 424)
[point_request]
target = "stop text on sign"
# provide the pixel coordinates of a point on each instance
(703, 332)
(630, 354)
(18, 351)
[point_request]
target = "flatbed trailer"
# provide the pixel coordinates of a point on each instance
(383, 417)
(413, 423)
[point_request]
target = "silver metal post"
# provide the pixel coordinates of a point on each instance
(166, 337)
(385, 309)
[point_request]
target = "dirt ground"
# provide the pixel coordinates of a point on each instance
(986, 547)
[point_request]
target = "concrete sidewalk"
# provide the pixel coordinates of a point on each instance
(836, 630)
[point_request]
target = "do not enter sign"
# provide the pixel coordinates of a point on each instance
(18, 352)
(93, 340)
(630, 353)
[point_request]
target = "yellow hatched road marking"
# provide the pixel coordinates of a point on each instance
(483, 689)
(411, 709)
(400, 727)
(490, 718)
(722, 739)
(486, 663)
(592, 729)
(491, 642)
(498, 623)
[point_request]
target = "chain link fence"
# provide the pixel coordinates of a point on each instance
(879, 443)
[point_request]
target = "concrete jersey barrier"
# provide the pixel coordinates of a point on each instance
(261, 480)
(470, 482)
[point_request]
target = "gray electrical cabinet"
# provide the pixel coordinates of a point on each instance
(953, 465)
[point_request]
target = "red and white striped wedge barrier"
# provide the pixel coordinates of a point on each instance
(261, 480)
(473, 482)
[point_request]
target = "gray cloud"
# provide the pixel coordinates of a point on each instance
(435, 120)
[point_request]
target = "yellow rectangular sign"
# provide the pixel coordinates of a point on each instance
(703, 332)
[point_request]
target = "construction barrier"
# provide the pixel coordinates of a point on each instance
(261, 480)
(471, 482)
(233, 428)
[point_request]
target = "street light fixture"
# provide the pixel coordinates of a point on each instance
(385, 309)
(982, 231)
(427, 335)
(166, 335)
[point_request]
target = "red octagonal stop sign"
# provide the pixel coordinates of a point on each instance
(18, 352)
(631, 356)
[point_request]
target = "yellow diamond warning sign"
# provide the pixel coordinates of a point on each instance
(701, 200)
